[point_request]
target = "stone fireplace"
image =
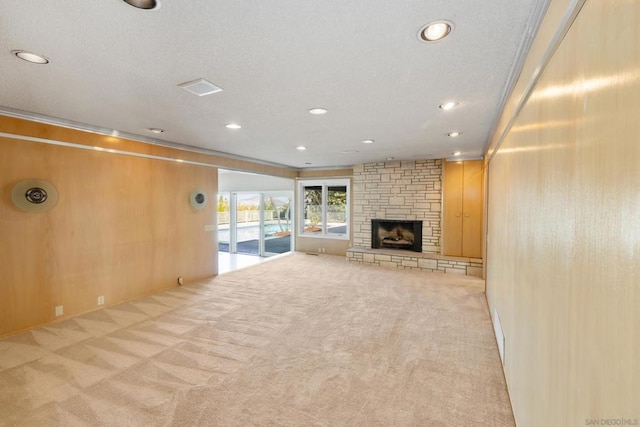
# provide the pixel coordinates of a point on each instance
(409, 192)
(396, 234)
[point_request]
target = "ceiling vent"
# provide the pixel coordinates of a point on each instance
(200, 87)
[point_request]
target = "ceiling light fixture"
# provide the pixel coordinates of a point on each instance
(233, 126)
(301, 148)
(457, 153)
(143, 4)
(435, 31)
(454, 134)
(156, 130)
(34, 58)
(318, 111)
(368, 141)
(391, 158)
(448, 105)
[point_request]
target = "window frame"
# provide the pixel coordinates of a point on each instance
(324, 184)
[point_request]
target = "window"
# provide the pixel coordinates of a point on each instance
(324, 208)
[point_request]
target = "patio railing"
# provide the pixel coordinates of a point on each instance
(246, 216)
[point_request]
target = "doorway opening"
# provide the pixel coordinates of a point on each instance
(255, 223)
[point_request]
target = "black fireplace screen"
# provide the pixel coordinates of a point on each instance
(396, 234)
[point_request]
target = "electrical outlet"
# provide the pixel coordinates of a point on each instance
(101, 300)
(180, 281)
(59, 311)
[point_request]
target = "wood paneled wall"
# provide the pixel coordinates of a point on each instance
(123, 227)
(28, 128)
(563, 243)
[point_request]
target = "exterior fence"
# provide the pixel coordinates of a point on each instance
(335, 214)
(246, 216)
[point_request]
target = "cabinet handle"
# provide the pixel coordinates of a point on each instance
(458, 215)
(466, 215)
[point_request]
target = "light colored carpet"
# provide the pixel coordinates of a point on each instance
(297, 341)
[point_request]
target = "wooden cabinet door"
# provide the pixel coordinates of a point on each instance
(462, 209)
(452, 208)
(472, 210)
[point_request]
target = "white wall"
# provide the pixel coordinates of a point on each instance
(242, 181)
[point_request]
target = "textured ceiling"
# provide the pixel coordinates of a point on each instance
(115, 67)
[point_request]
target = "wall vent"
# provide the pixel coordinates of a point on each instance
(497, 329)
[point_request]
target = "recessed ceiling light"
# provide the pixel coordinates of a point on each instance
(301, 147)
(454, 134)
(457, 153)
(144, 4)
(34, 58)
(233, 126)
(435, 31)
(318, 111)
(156, 130)
(368, 141)
(448, 105)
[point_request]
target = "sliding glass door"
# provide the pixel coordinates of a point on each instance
(277, 228)
(247, 224)
(255, 223)
(224, 222)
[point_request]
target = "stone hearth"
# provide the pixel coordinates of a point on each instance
(407, 260)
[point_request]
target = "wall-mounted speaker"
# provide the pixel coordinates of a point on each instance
(34, 195)
(198, 199)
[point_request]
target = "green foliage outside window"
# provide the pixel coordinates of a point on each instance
(223, 204)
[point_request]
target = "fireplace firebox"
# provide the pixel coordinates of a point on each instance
(396, 234)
